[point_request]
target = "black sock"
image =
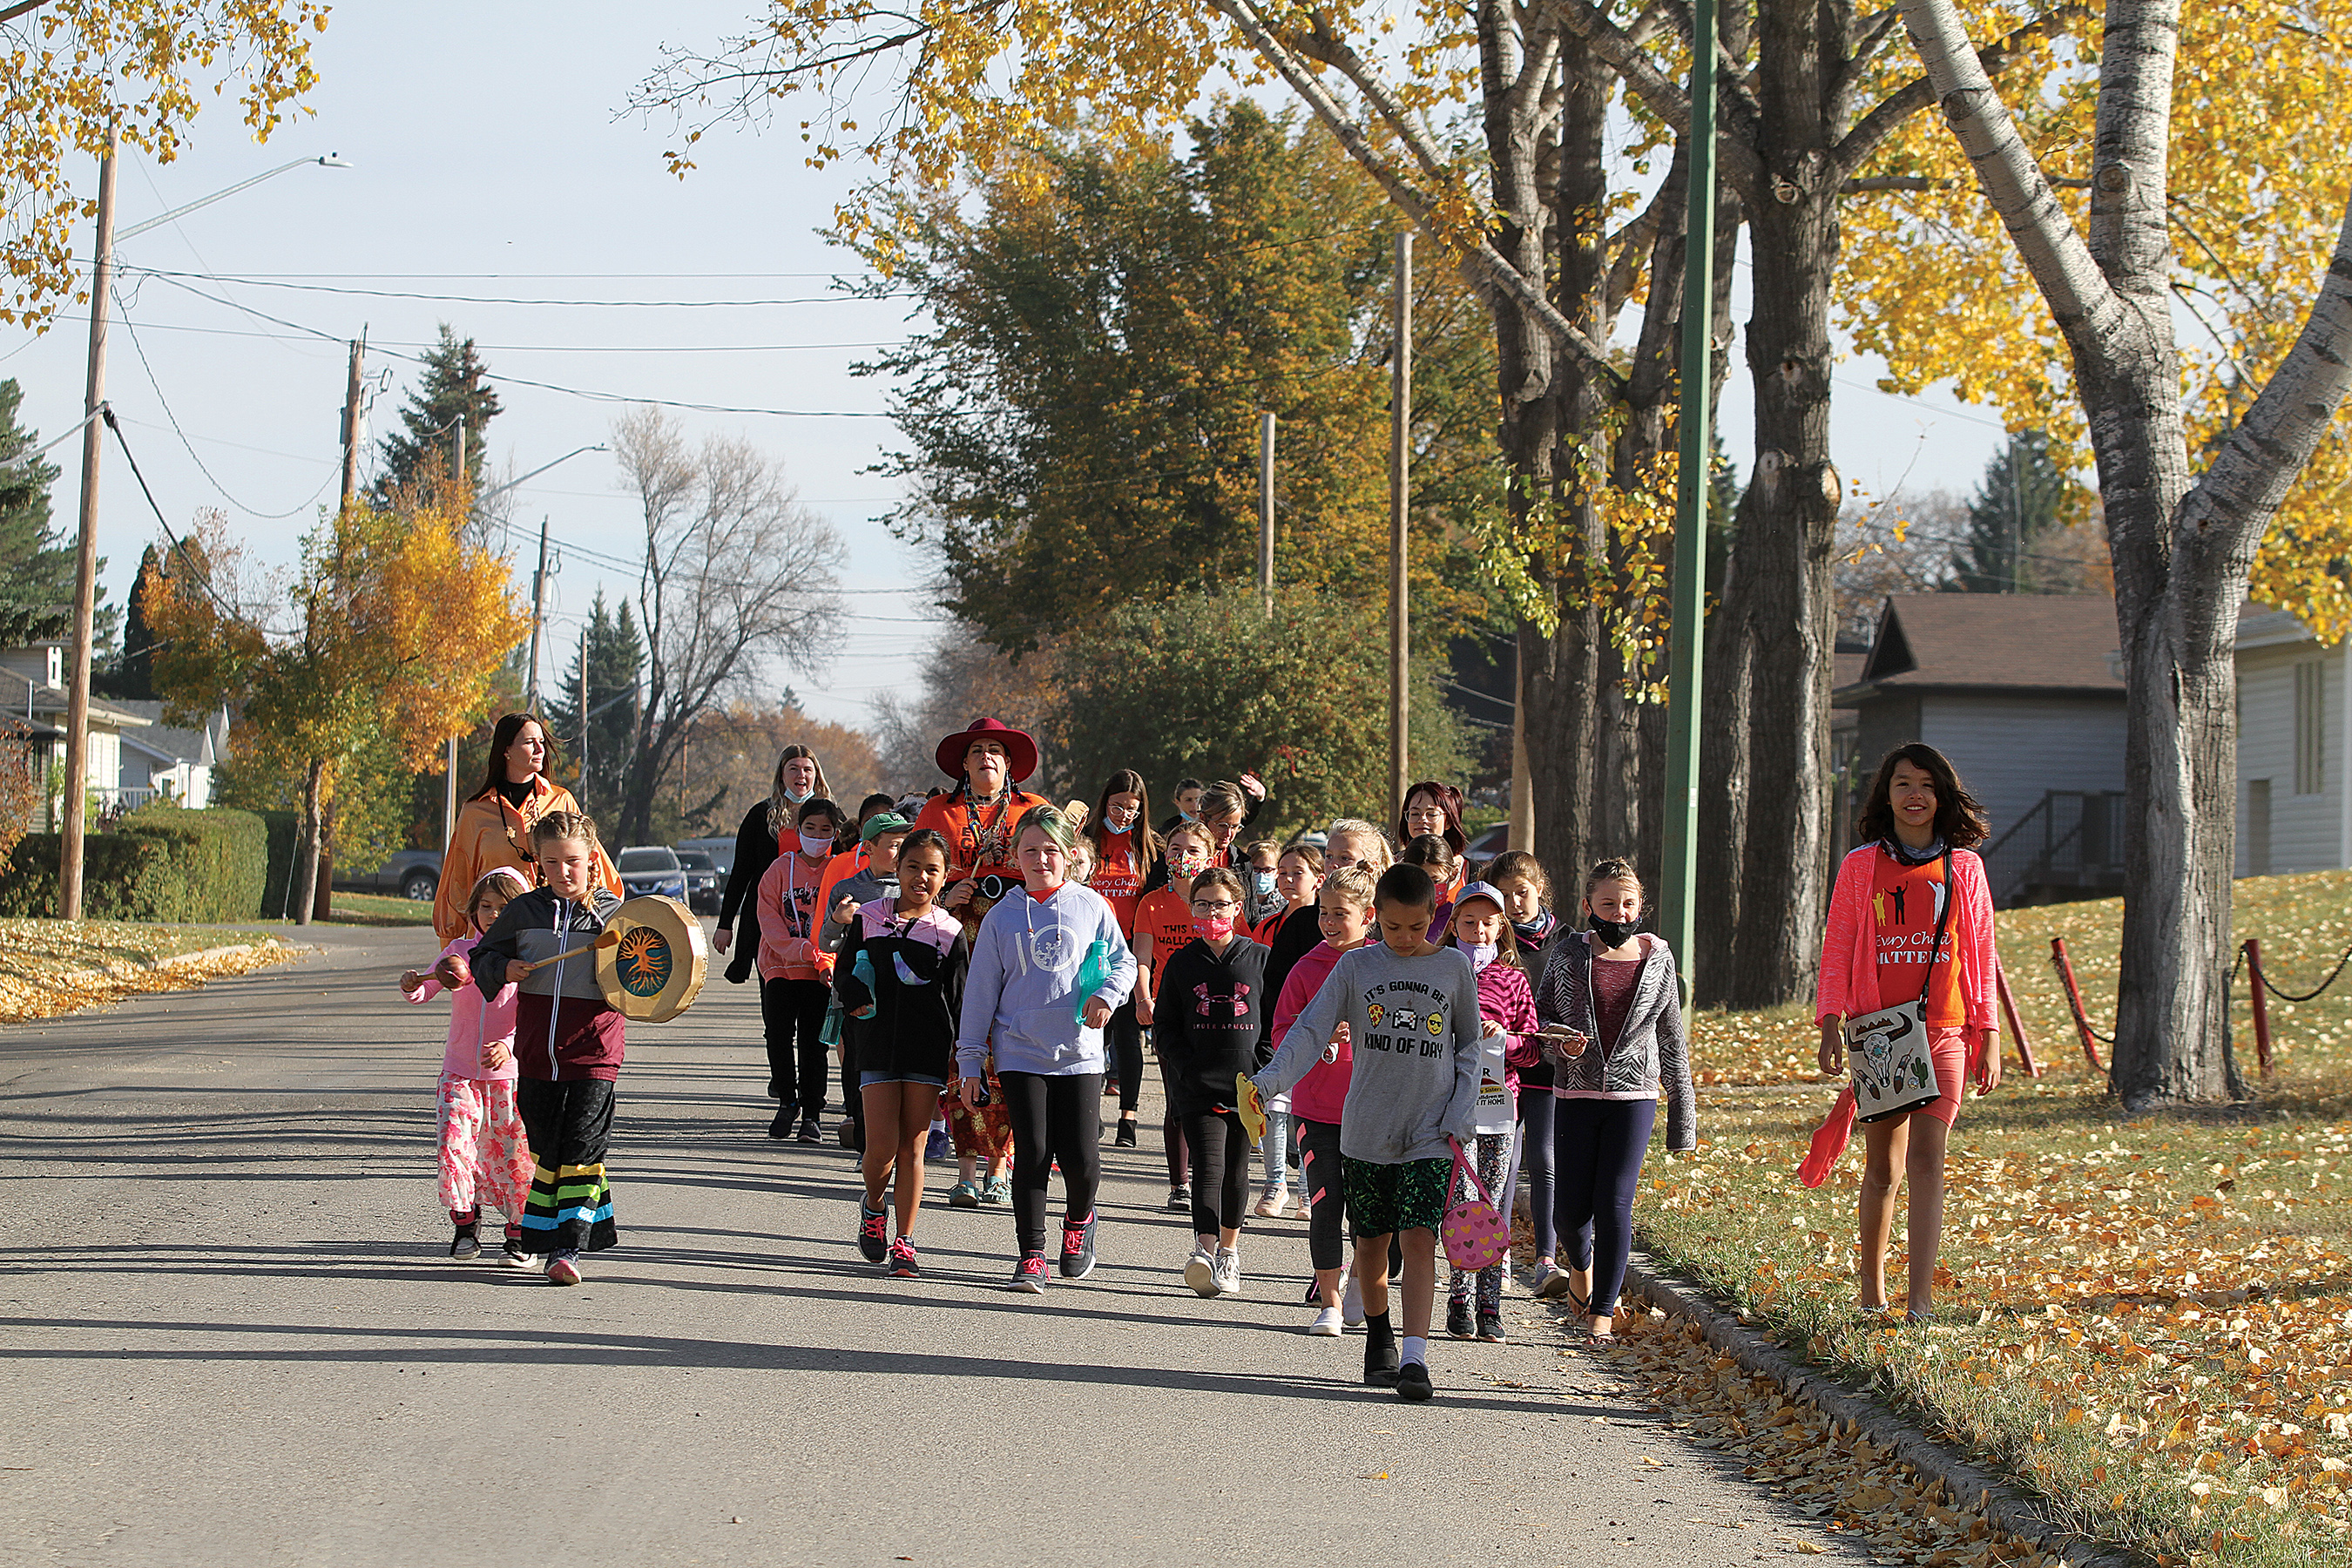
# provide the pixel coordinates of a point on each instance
(1376, 1326)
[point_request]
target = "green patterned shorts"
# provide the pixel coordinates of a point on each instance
(1382, 1199)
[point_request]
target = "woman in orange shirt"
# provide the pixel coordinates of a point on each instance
(1163, 927)
(981, 814)
(493, 829)
(1125, 849)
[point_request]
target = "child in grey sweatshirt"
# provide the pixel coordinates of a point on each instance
(1410, 1009)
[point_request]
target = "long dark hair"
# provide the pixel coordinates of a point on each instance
(1959, 820)
(502, 735)
(1140, 834)
(1449, 800)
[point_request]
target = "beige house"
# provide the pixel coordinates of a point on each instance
(33, 689)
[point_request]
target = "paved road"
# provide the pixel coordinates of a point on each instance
(229, 1334)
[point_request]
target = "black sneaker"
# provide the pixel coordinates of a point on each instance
(1412, 1381)
(902, 1260)
(1029, 1274)
(873, 1231)
(1180, 1200)
(467, 1245)
(810, 1132)
(1078, 1249)
(1126, 1138)
(1490, 1328)
(1458, 1321)
(1381, 1361)
(781, 1127)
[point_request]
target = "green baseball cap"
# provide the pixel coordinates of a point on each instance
(880, 823)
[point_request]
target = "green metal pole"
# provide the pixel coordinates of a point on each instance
(1680, 892)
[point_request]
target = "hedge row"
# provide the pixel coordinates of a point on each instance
(158, 864)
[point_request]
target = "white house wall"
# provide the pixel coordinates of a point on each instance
(2011, 750)
(2306, 830)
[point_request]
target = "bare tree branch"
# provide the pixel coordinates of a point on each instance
(1625, 53)
(1909, 99)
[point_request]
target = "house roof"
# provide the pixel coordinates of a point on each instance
(2038, 643)
(174, 744)
(18, 690)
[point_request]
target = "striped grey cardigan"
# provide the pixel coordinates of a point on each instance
(1651, 1054)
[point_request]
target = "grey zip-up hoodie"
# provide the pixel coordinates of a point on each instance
(1021, 993)
(538, 925)
(1413, 1029)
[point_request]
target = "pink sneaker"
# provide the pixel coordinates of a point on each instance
(564, 1270)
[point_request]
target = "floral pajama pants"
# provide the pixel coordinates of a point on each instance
(1492, 1153)
(485, 1158)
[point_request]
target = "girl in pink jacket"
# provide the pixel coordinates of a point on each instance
(1344, 913)
(484, 1155)
(1918, 825)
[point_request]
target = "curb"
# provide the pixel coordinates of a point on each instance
(2002, 1503)
(237, 949)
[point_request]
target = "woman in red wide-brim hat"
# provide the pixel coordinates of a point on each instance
(978, 817)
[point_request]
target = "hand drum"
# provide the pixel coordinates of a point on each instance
(655, 971)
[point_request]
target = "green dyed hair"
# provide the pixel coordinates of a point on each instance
(1054, 823)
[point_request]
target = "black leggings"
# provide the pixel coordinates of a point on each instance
(1054, 1118)
(1536, 1107)
(1123, 1049)
(1319, 1184)
(1600, 1145)
(1172, 1132)
(1221, 1170)
(794, 1013)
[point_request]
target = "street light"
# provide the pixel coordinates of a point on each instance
(101, 282)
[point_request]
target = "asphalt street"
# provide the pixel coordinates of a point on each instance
(230, 1333)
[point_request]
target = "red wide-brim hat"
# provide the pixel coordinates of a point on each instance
(1020, 748)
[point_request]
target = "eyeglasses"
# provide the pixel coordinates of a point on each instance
(1219, 907)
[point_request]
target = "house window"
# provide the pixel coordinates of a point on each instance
(2310, 729)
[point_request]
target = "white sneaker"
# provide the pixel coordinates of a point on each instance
(1272, 1203)
(1553, 1284)
(1226, 1275)
(1200, 1271)
(1325, 1324)
(1352, 1303)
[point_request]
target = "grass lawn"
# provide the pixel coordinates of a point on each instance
(374, 910)
(2148, 1321)
(50, 967)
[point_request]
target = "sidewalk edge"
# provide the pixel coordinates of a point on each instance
(2004, 1505)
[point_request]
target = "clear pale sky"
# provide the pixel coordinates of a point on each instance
(491, 159)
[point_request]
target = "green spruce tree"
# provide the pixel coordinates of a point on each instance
(2021, 501)
(36, 566)
(455, 384)
(616, 662)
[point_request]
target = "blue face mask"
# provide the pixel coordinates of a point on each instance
(1262, 882)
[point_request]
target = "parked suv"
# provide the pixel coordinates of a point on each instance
(703, 883)
(410, 874)
(651, 869)
(721, 850)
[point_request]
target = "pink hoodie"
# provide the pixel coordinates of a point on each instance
(473, 1022)
(1318, 1096)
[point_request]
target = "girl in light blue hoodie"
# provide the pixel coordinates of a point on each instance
(1049, 968)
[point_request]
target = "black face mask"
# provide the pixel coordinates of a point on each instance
(1612, 933)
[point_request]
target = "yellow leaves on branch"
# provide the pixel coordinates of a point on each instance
(2258, 184)
(392, 625)
(64, 69)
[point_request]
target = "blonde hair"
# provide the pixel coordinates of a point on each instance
(1616, 869)
(1357, 827)
(1208, 840)
(1251, 851)
(1050, 821)
(558, 825)
(1353, 883)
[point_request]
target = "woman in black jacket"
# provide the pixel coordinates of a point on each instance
(1211, 1020)
(799, 777)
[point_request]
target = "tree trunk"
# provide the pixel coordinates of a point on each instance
(1721, 851)
(322, 895)
(1787, 535)
(306, 857)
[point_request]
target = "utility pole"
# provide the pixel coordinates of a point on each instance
(1687, 635)
(449, 781)
(101, 280)
(1523, 793)
(1400, 474)
(351, 419)
(537, 606)
(583, 720)
(1265, 509)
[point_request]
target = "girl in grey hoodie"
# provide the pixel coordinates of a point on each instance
(1049, 969)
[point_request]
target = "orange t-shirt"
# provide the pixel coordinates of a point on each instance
(1166, 920)
(1903, 901)
(1119, 880)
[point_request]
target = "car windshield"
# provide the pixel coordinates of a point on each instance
(648, 860)
(694, 860)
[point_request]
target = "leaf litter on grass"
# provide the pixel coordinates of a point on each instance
(2148, 1322)
(49, 968)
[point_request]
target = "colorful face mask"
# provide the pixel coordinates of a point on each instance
(1214, 929)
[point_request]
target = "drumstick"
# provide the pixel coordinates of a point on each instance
(610, 938)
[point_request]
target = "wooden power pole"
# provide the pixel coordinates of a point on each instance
(1265, 509)
(538, 608)
(85, 604)
(351, 419)
(1400, 476)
